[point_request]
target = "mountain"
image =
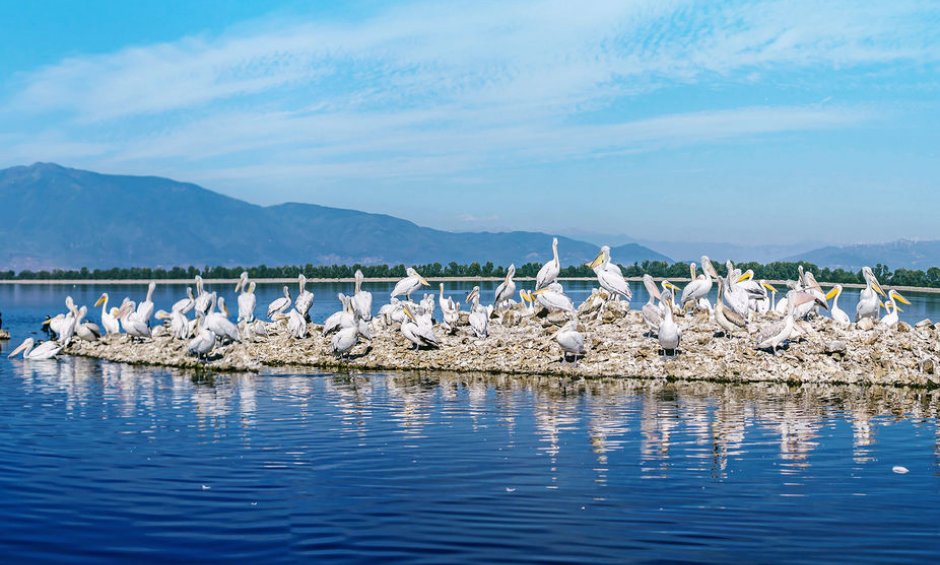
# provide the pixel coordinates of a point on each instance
(722, 251)
(904, 254)
(56, 217)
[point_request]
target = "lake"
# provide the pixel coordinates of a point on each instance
(102, 461)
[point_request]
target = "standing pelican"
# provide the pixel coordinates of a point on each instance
(218, 322)
(700, 286)
(279, 305)
(362, 299)
(108, 319)
(479, 317)
(304, 298)
(43, 351)
(246, 304)
(296, 324)
(838, 314)
(549, 271)
(145, 308)
(450, 310)
(891, 318)
(133, 325)
(772, 335)
(571, 341)
(203, 298)
(609, 276)
(669, 332)
(868, 303)
(412, 282)
(204, 341)
(651, 311)
(345, 318)
(506, 290)
(418, 330)
(728, 320)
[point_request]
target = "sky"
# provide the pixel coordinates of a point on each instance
(755, 121)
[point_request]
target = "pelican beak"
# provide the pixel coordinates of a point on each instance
(423, 281)
(832, 292)
(47, 322)
(538, 292)
(878, 289)
(22, 347)
(822, 303)
(772, 288)
(225, 310)
(745, 277)
(897, 296)
(670, 286)
(596, 262)
(408, 313)
(100, 301)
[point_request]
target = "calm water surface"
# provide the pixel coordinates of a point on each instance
(102, 461)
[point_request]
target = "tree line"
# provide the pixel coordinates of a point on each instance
(770, 271)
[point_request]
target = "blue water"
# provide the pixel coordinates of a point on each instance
(102, 461)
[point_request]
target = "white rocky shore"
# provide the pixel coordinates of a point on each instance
(617, 346)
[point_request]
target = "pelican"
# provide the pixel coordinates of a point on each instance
(304, 297)
(296, 324)
(246, 304)
(204, 342)
(669, 332)
(179, 325)
(108, 319)
(63, 325)
(347, 338)
(553, 297)
(418, 331)
(409, 284)
(450, 309)
(838, 314)
(609, 276)
(86, 331)
(507, 289)
(528, 301)
(279, 305)
(736, 296)
(45, 350)
(891, 318)
(345, 318)
(362, 299)
(570, 340)
(133, 325)
(185, 305)
(218, 322)
(651, 312)
(549, 271)
(700, 285)
(772, 335)
(479, 318)
(203, 298)
(145, 308)
(868, 302)
(728, 320)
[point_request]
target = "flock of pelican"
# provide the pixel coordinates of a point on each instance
(743, 307)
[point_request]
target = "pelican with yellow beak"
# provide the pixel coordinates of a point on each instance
(891, 318)
(412, 282)
(868, 302)
(419, 331)
(838, 314)
(652, 312)
(700, 286)
(108, 317)
(553, 297)
(609, 276)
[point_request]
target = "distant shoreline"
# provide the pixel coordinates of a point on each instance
(137, 282)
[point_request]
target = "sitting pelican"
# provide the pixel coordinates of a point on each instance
(133, 325)
(736, 296)
(63, 325)
(409, 284)
(179, 325)
(609, 276)
(185, 305)
(506, 290)
(728, 320)
(571, 341)
(145, 308)
(203, 298)
(362, 299)
(279, 305)
(296, 324)
(419, 331)
(891, 318)
(246, 304)
(553, 298)
(204, 342)
(45, 350)
(479, 317)
(108, 317)
(304, 298)
(700, 285)
(773, 334)
(652, 312)
(450, 309)
(838, 314)
(218, 322)
(868, 303)
(345, 318)
(86, 331)
(669, 332)
(549, 271)
(347, 338)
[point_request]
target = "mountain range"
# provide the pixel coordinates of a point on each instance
(57, 217)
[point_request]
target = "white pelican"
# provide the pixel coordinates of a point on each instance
(737, 297)
(553, 297)
(609, 276)
(279, 305)
(507, 289)
(700, 286)
(204, 342)
(296, 324)
(108, 317)
(728, 320)
(549, 271)
(362, 299)
(218, 322)
(669, 332)
(418, 331)
(345, 318)
(652, 312)
(479, 317)
(86, 331)
(63, 325)
(185, 305)
(571, 341)
(528, 301)
(838, 314)
(409, 284)
(304, 297)
(203, 298)
(145, 308)
(179, 325)
(246, 304)
(772, 335)
(45, 350)
(450, 310)
(347, 338)
(868, 303)
(891, 318)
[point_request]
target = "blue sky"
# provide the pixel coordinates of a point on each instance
(771, 122)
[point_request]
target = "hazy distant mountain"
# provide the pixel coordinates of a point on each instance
(55, 217)
(722, 251)
(896, 254)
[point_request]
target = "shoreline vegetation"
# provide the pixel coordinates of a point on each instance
(909, 279)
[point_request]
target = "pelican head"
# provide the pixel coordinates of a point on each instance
(511, 272)
(896, 296)
(745, 276)
(408, 314)
(834, 291)
(670, 286)
(800, 297)
(23, 347)
(602, 257)
(301, 281)
(102, 300)
(473, 294)
(242, 281)
(870, 278)
(693, 270)
(251, 287)
(770, 287)
(411, 272)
